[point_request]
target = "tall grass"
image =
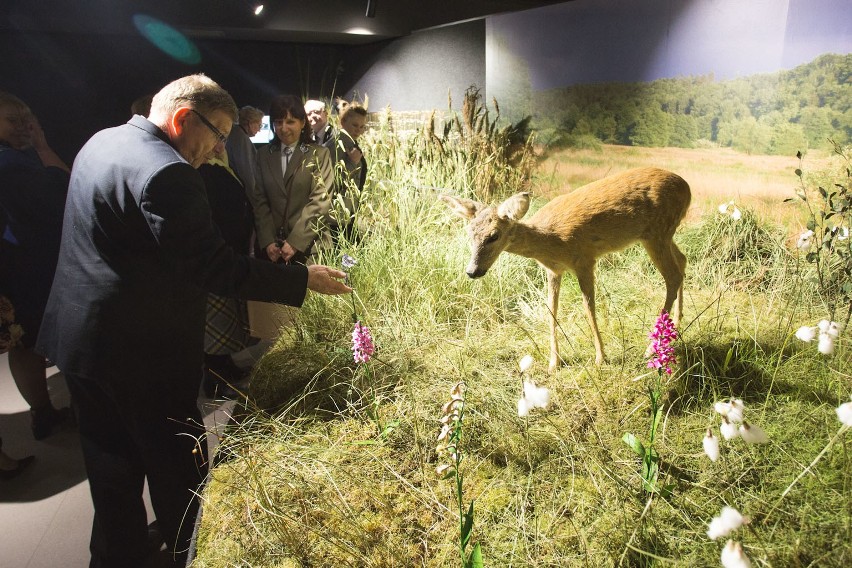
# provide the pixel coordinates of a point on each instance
(309, 483)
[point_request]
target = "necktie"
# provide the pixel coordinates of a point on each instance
(285, 159)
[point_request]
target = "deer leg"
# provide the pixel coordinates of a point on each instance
(586, 280)
(680, 259)
(668, 263)
(554, 282)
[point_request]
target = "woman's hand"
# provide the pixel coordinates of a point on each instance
(287, 251)
(273, 252)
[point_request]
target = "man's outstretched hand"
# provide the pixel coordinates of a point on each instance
(326, 280)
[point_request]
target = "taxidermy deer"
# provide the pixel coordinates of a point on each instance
(573, 230)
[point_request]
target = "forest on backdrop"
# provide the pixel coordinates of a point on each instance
(768, 113)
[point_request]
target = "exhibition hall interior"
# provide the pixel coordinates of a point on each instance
(469, 104)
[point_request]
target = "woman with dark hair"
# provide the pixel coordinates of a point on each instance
(292, 195)
(33, 185)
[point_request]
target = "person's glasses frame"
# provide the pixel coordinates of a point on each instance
(218, 133)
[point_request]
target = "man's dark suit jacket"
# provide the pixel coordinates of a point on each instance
(139, 254)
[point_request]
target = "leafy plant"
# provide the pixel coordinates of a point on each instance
(826, 242)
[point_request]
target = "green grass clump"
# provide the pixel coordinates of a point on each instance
(311, 481)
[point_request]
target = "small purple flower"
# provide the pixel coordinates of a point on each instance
(662, 336)
(348, 262)
(362, 343)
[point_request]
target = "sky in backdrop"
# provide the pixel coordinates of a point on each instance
(594, 41)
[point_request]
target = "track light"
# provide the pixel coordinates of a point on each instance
(258, 9)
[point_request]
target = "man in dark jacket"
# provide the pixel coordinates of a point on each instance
(125, 318)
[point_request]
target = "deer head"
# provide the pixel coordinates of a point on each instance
(490, 228)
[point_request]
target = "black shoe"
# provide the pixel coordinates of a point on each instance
(7, 474)
(44, 421)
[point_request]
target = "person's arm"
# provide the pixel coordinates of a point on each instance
(45, 153)
(178, 215)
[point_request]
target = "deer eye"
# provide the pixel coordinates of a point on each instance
(491, 238)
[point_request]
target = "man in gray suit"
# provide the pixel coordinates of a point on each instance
(125, 318)
(242, 156)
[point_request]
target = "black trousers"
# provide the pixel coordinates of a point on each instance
(133, 431)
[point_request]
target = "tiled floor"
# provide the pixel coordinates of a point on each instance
(46, 512)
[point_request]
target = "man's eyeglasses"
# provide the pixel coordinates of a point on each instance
(218, 133)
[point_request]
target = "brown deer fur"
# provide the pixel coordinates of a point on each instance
(574, 229)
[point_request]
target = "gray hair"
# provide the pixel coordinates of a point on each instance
(196, 91)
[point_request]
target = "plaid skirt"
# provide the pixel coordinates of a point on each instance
(226, 330)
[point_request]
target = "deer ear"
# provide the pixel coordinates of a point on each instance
(462, 207)
(515, 207)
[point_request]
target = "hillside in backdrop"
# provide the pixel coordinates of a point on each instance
(772, 113)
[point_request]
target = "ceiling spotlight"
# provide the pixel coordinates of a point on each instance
(258, 9)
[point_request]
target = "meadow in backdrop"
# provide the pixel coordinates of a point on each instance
(417, 454)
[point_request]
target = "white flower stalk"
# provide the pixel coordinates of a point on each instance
(711, 445)
(806, 333)
(538, 397)
(728, 429)
(805, 240)
(525, 363)
(826, 344)
(753, 434)
(728, 520)
(734, 557)
(844, 413)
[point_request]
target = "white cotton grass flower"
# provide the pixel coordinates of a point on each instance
(730, 209)
(805, 240)
(525, 363)
(733, 556)
(728, 429)
(711, 445)
(753, 434)
(826, 344)
(728, 521)
(844, 413)
(733, 411)
(538, 397)
(831, 328)
(534, 397)
(806, 333)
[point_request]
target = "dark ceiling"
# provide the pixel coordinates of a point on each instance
(302, 21)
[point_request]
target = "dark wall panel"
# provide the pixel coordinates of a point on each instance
(79, 84)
